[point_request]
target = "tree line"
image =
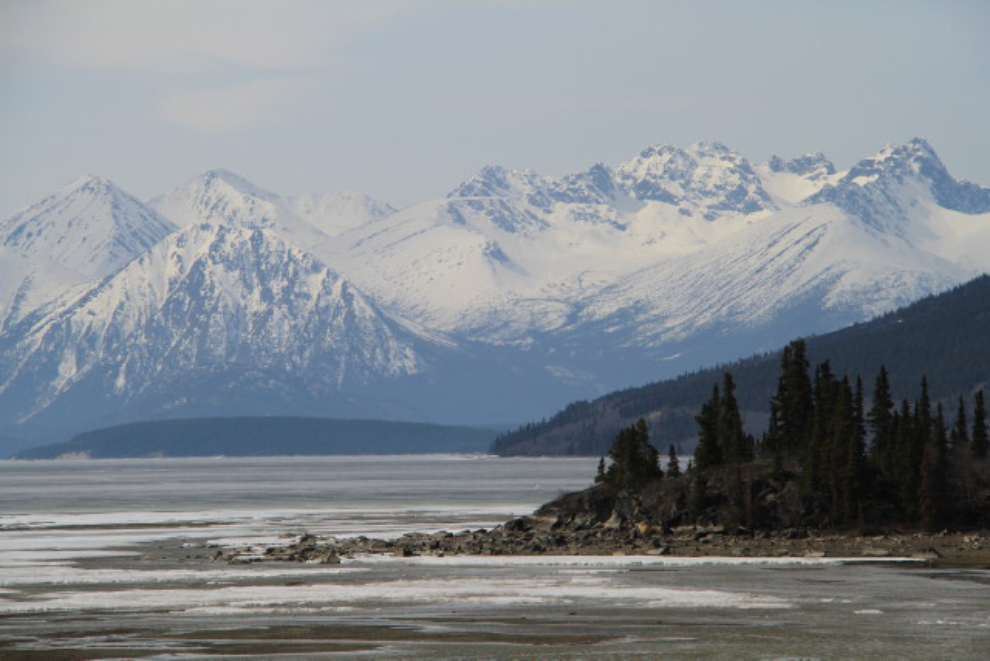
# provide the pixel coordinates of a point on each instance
(885, 462)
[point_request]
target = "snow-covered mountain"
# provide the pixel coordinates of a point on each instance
(82, 232)
(91, 227)
(239, 309)
(676, 258)
(514, 292)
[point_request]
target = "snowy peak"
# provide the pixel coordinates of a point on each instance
(497, 181)
(813, 166)
(707, 179)
(218, 196)
(211, 299)
(511, 201)
(913, 159)
(595, 186)
(917, 159)
(707, 176)
(90, 226)
(888, 185)
(232, 185)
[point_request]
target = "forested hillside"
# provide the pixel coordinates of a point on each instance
(269, 436)
(945, 338)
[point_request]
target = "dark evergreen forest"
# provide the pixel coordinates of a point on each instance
(825, 455)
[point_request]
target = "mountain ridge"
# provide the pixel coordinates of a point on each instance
(569, 286)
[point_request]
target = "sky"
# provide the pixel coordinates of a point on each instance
(404, 99)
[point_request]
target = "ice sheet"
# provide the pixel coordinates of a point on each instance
(451, 590)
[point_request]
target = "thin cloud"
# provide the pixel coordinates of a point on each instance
(233, 107)
(182, 36)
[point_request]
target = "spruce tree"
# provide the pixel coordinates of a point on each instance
(818, 451)
(880, 419)
(841, 433)
(935, 474)
(923, 409)
(772, 444)
(673, 466)
(793, 400)
(979, 438)
(960, 430)
(926, 498)
(907, 459)
(854, 470)
(708, 453)
(698, 500)
(940, 440)
(634, 462)
(732, 438)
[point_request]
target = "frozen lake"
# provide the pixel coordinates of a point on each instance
(93, 562)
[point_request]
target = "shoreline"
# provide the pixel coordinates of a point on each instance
(520, 537)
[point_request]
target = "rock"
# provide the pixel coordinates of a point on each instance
(614, 522)
(523, 524)
(926, 554)
(646, 529)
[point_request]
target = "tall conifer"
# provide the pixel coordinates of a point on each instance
(673, 464)
(731, 436)
(880, 419)
(794, 398)
(708, 453)
(960, 430)
(979, 439)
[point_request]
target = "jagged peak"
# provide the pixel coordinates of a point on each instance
(868, 186)
(698, 149)
(915, 155)
(711, 147)
(599, 169)
(496, 181)
(661, 151)
(659, 155)
(809, 163)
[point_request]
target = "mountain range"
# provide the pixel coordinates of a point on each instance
(505, 299)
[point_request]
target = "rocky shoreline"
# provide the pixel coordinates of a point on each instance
(535, 536)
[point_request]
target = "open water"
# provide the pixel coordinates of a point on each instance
(105, 559)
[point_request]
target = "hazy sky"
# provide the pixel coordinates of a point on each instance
(402, 100)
